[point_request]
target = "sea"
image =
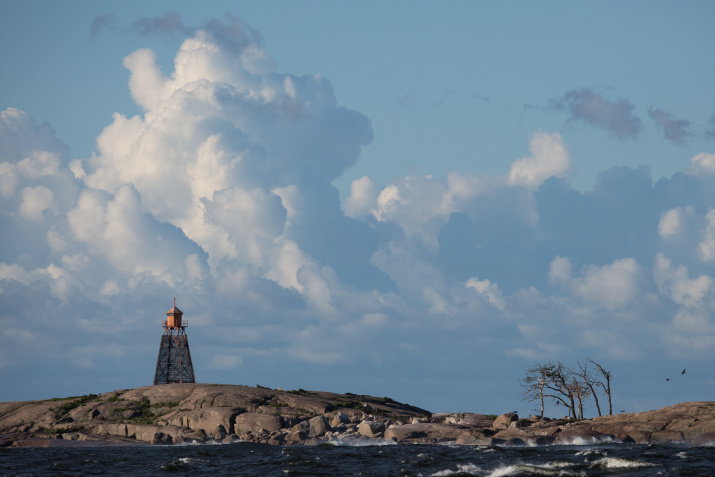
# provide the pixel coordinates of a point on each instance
(247, 459)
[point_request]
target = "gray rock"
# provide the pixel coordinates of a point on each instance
(294, 437)
(467, 439)
(503, 421)
(318, 426)
(515, 442)
(581, 434)
(254, 422)
(219, 432)
(543, 440)
(339, 418)
(370, 428)
(161, 438)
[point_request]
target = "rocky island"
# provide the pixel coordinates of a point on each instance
(209, 413)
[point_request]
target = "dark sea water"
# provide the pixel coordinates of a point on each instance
(373, 460)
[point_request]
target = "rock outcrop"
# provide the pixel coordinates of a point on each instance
(180, 413)
(176, 413)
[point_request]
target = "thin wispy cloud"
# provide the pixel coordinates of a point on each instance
(710, 132)
(616, 117)
(101, 23)
(674, 130)
(168, 25)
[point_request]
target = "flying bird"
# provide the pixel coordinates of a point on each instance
(682, 372)
(667, 379)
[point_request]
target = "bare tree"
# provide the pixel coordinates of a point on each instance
(559, 386)
(535, 381)
(566, 386)
(606, 387)
(580, 391)
(590, 381)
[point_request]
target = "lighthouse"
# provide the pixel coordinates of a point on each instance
(174, 362)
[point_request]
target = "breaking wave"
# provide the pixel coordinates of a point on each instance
(619, 463)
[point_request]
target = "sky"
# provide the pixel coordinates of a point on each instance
(417, 200)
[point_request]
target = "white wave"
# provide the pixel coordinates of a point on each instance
(580, 441)
(461, 469)
(589, 452)
(349, 442)
(210, 442)
(619, 463)
(551, 468)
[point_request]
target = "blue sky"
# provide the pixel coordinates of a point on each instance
(410, 199)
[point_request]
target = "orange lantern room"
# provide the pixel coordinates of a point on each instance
(173, 317)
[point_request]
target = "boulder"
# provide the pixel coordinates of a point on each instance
(371, 428)
(515, 442)
(294, 437)
(505, 420)
(579, 434)
(206, 419)
(161, 438)
(219, 432)
(542, 440)
(424, 432)
(406, 433)
(254, 422)
(318, 426)
(478, 439)
(146, 432)
(339, 418)
(111, 429)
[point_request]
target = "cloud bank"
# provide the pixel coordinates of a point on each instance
(220, 194)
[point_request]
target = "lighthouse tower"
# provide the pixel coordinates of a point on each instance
(174, 362)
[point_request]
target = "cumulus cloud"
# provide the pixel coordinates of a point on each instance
(611, 286)
(616, 117)
(220, 194)
(702, 163)
(363, 196)
(549, 158)
(706, 248)
(488, 290)
(674, 130)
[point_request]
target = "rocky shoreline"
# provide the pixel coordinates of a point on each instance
(214, 413)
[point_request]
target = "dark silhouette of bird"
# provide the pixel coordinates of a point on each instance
(667, 379)
(682, 372)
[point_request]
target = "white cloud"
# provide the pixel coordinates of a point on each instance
(674, 283)
(488, 290)
(702, 163)
(670, 223)
(220, 194)
(116, 228)
(706, 247)
(612, 286)
(35, 200)
(363, 198)
(560, 270)
(549, 158)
